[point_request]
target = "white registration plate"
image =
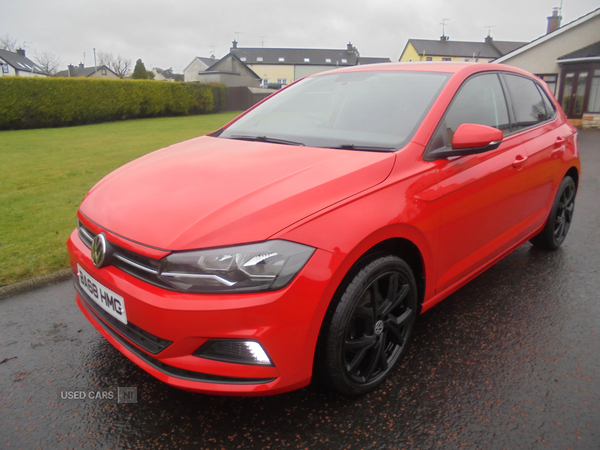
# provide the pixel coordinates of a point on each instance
(110, 302)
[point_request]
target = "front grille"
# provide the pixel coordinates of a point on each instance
(134, 264)
(149, 342)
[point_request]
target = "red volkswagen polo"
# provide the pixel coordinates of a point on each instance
(304, 237)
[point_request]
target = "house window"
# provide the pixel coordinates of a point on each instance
(282, 81)
(259, 59)
(306, 59)
(446, 59)
(243, 58)
(550, 79)
(281, 59)
(103, 71)
(428, 58)
(4, 68)
(327, 60)
(594, 101)
(264, 82)
(344, 61)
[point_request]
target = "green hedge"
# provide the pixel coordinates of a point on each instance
(57, 102)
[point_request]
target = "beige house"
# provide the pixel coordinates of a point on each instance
(230, 71)
(88, 72)
(197, 65)
(568, 59)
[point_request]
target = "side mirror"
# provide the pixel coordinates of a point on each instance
(470, 139)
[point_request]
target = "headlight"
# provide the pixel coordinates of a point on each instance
(266, 266)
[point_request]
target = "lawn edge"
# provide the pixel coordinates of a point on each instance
(21, 287)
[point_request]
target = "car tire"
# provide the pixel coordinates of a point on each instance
(370, 327)
(559, 220)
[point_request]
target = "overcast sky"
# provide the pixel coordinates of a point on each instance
(171, 33)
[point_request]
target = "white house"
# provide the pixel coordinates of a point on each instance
(17, 64)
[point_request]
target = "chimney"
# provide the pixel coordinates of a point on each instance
(81, 65)
(444, 38)
(489, 39)
(21, 52)
(70, 71)
(554, 21)
(234, 44)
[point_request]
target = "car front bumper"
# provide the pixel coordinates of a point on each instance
(164, 328)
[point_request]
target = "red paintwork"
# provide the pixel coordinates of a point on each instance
(470, 135)
(462, 214)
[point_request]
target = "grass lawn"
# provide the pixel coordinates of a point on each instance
(44, 175)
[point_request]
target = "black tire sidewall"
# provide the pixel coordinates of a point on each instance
(332, 353)
(546, 238)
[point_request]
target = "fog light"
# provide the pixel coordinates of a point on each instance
(235, 351)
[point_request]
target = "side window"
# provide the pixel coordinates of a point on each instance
(528, 104)
(550, 109)
(481, 101)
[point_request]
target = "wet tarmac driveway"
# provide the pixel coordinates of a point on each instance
(509, 361)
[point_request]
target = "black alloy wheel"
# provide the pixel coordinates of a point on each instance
(371, 326)
(559, 220)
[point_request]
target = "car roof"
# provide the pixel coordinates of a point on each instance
(431, 66)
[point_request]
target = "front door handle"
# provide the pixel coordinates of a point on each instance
(519, 161)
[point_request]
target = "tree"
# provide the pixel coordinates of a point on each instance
(118, 65)
(8, 43)
(48, 62)
(104, 59)
(140, 72)
(121, 66)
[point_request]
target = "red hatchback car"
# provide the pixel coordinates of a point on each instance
(304, 237)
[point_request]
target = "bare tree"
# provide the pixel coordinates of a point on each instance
(118, 64)
(105, 59)
(121, 66)
(8, 43)
(48, 62)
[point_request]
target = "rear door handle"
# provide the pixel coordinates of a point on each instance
(519, 161)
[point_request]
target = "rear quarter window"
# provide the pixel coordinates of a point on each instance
(530, 105)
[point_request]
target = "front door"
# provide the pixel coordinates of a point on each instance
(573, 96)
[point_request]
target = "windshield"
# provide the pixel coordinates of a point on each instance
(370, 110)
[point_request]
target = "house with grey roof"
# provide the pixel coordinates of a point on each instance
(87, 72)
(197, 65)
(282, 66)
(230, 71)
(17, 64)
(567, 57)
(446, 50)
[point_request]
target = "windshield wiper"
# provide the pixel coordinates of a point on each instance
(365, 148)
(266, 139)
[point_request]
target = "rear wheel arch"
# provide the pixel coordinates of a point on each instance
(573, 173)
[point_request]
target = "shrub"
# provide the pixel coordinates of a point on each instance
(55, 102)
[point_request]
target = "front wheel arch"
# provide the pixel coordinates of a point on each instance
(376, 306)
